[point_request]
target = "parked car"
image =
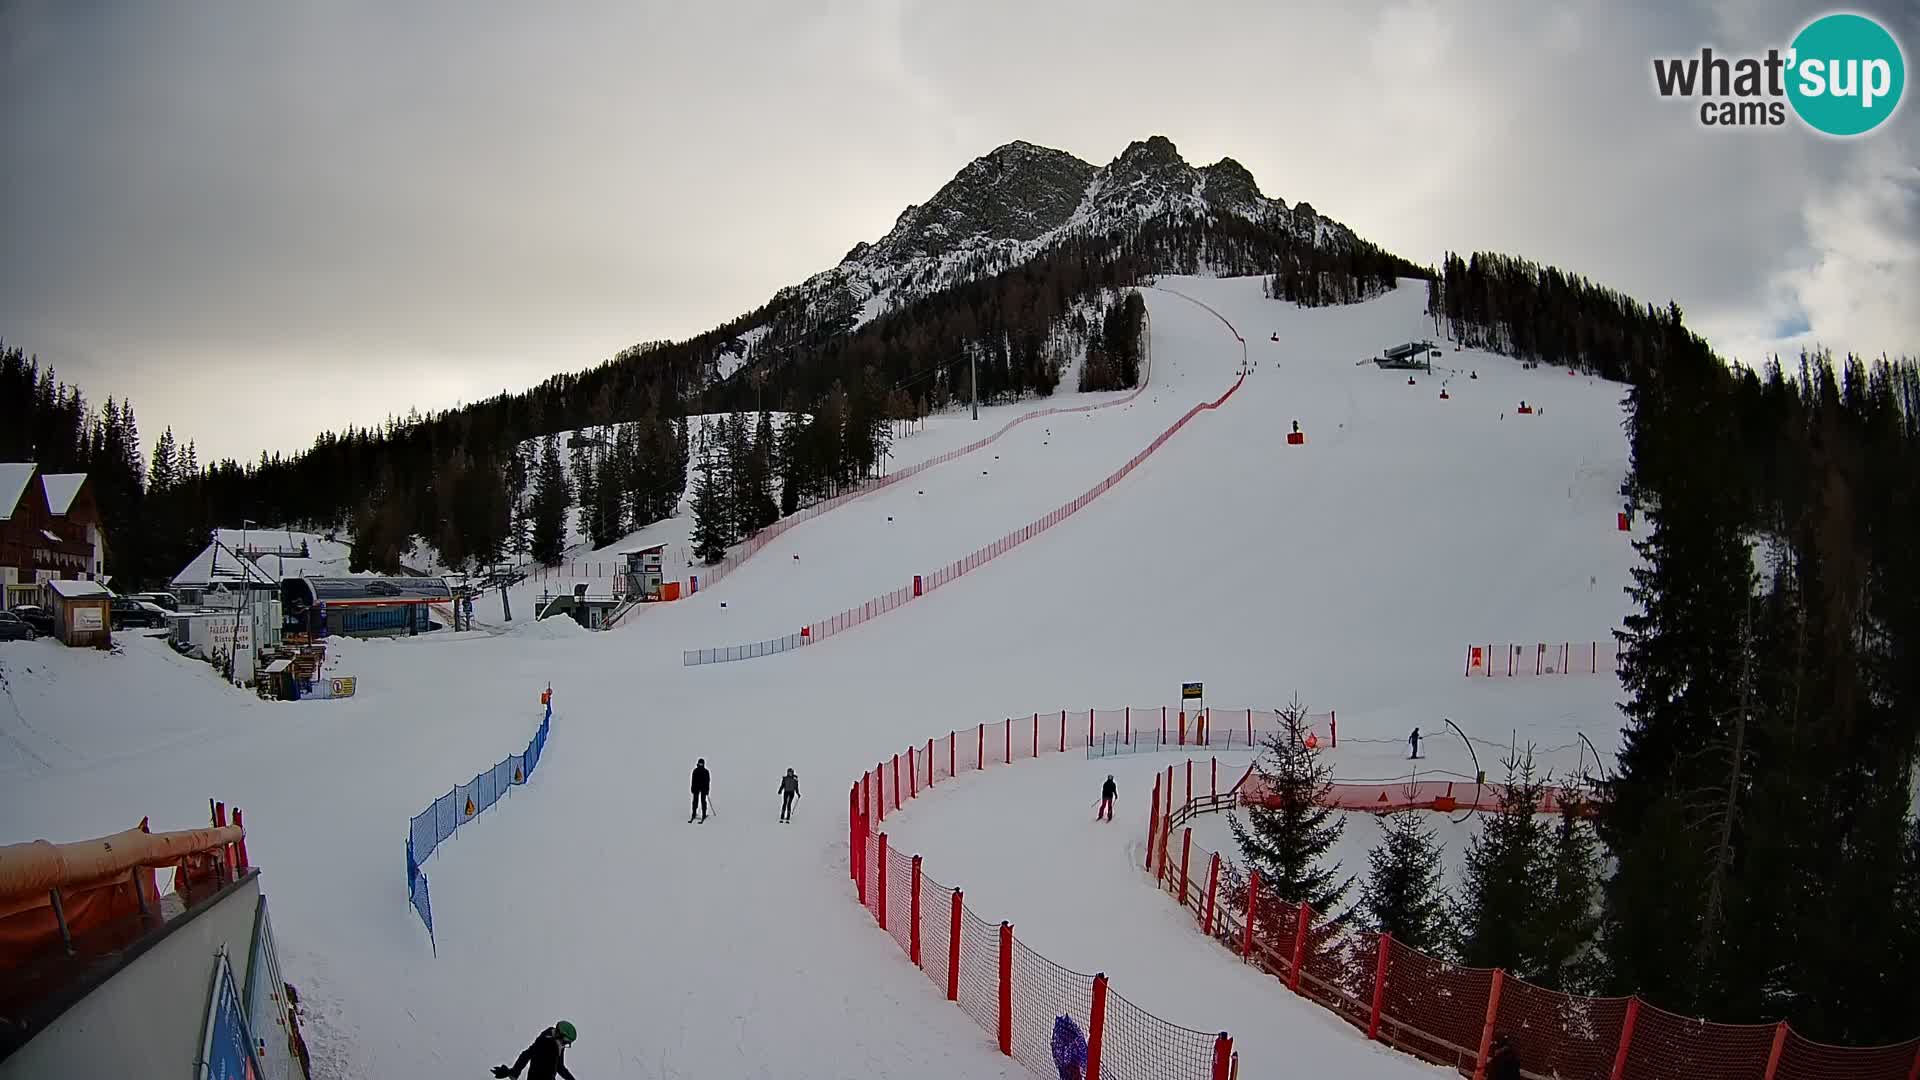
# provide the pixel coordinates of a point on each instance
(127, 611)
(14, 628)
(37, 617)
(164, 600)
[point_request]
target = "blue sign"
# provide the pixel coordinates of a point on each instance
(227, 1052)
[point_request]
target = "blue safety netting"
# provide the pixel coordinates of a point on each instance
(461, 805)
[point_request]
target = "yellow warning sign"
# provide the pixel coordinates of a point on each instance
(469, 806)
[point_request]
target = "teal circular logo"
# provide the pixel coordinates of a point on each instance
(1847, 74)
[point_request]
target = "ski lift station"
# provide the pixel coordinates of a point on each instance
(1414, 355)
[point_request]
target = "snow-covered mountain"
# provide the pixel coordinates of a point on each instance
(1010, 206)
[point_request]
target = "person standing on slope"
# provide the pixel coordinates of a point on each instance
(1413, 744)
(1107, 792)
(702, 783)
(789, 791)
(546, 1058)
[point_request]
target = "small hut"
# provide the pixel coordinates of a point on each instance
(81, 612)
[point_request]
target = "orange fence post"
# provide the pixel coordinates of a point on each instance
(1253, 907)
(1096, 1026)
(1222, 1056)
(1779, 1047)
(1006, 988)
(913, 776)
(1299, 946)
(913, 928)
(882, 913)
(1153, 821)
(1626, 1040)
(1213, 887)
(1379, 986)
(954, 919)
(1486, 1029)
(1186, 853)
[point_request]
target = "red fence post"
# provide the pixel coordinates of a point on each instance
(1213, 887)
(1779, 1046)
(1006, 989)
(913, 776)
(1063, 731)
(1096, 1026)
(954, 919)
(930, 766)
(883, 881)
(1189, 801)
(1163, 725)
(1249, 729)
(240, 845)
(853, 832)
(1181, 728)
(1213, 786)
(880, 781)
(1036, 734)
(1486, 1029)
(1153, 821)
(1333, 726)
(1299, 946)
(950, 740)
(1128, 726)
(1379, 986)
(913, 929)
(1009, 740)
(896, 781)
(1626, 1040)
(1166, 830)
(1915, 1074)
(980, 751)
(1186, 853)
(1222, 1056)
(1253, 907)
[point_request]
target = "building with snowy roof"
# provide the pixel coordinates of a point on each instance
(82, 612)
(49, 528)
(220, 577)
(363, 606)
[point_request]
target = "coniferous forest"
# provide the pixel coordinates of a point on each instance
(1755, 853)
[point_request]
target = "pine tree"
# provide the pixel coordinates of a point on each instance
(1403, 894)
(709, 515)
(609, 503)
(585, 480)
(1504, 886)
(550, 502)
(758, 510)
(1568, 915)
(1287, 834)
(791, 455)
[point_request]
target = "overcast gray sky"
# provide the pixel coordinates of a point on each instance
(261, 221)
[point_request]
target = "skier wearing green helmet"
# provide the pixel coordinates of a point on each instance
(545, 1059)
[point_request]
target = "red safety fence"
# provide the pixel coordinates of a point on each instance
(1542, 658)
(1013, 993)
(925, 583)
(1448, 1014)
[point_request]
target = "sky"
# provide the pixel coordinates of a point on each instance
(259, 222)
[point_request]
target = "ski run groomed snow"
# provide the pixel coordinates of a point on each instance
(1352, 571)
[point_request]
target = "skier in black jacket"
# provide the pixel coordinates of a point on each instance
(546, 1058)
(1107, 791)
(701, 783)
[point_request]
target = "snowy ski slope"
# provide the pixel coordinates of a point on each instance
(1352, 570)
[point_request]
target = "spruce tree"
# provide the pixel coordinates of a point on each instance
(1496, 915)
(1403, 894)
(551, 498)
(1568, 915)
(1287, 833)
(709, 514)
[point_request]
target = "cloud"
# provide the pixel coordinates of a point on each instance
(361, 208)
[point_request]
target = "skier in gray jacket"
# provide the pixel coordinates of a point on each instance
(789, 791)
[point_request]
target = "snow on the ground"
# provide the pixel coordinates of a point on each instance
(1353, 571)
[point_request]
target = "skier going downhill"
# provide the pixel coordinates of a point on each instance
(701, 784)
(546, 1058)
(1107, 792)
(789, 791)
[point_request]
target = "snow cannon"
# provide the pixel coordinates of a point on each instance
(1296, 437)
(1473, 375)
(1410, 380)
(1525, 409)
(1275, 337)
(1443, 394)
